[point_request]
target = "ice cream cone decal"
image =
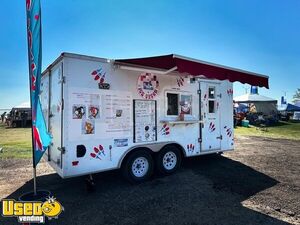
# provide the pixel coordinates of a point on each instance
(165, 130)
(99, 75)
(98, 152)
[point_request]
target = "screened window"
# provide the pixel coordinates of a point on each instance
(172, 104)
(179, 104)
(211, 92)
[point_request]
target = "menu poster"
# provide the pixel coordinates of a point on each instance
(117, 113)
(145, 121)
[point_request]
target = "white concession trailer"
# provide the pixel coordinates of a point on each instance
(137, 114)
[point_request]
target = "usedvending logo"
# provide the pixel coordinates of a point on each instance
(31, 212)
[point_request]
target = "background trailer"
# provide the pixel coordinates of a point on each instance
(135, 114)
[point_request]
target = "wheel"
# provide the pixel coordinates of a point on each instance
(138, 167)
(168, 160)
(14, 124)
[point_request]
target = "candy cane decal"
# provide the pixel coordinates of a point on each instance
(180, 81)
(212, 127)
(165, 130)
(98, 152)
(99, 75)
(147, 85)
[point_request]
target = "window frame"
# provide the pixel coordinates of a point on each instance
(214, 99)
(179, 93)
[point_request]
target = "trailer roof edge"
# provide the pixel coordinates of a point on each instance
(75, 56)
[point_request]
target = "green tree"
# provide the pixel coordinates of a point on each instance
(296, 96)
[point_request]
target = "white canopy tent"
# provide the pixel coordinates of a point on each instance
(262, 103)
(251, 98)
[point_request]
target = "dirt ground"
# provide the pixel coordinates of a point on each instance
(258, 183)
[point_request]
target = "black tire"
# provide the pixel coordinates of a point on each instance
(162, 165)
(129, 170)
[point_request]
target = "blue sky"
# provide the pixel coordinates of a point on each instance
(255, 35)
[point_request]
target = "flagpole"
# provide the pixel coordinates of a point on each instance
(33, 15)
(32, 137)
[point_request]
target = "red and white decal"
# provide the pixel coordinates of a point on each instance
(147, 85)
(190, 148)
(228, 131)
(229, 92)
(99, 75)
(98, 152)
(75, 163)
(212, 127)
(180, 81)
(165, 130)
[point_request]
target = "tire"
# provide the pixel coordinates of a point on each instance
(138, 167)
(168, 160)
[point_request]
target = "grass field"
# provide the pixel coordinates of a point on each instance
(15, 142)
(286, 130)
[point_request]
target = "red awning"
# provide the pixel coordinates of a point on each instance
(197, 67)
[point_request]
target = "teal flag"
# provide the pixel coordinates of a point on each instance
(41, 138)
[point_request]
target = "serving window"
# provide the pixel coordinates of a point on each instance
(178, 103)
(172, 102)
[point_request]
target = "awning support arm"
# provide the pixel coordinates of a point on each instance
(147, 70)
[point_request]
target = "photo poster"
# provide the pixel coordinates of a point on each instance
(145, 127)
(85, 113)
(186, 104)
(100, 114)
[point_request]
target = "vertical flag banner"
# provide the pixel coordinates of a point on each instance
(41, 138)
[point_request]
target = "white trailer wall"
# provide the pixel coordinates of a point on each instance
(106, 136)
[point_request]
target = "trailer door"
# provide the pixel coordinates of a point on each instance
(211, 130)
(55, 115)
